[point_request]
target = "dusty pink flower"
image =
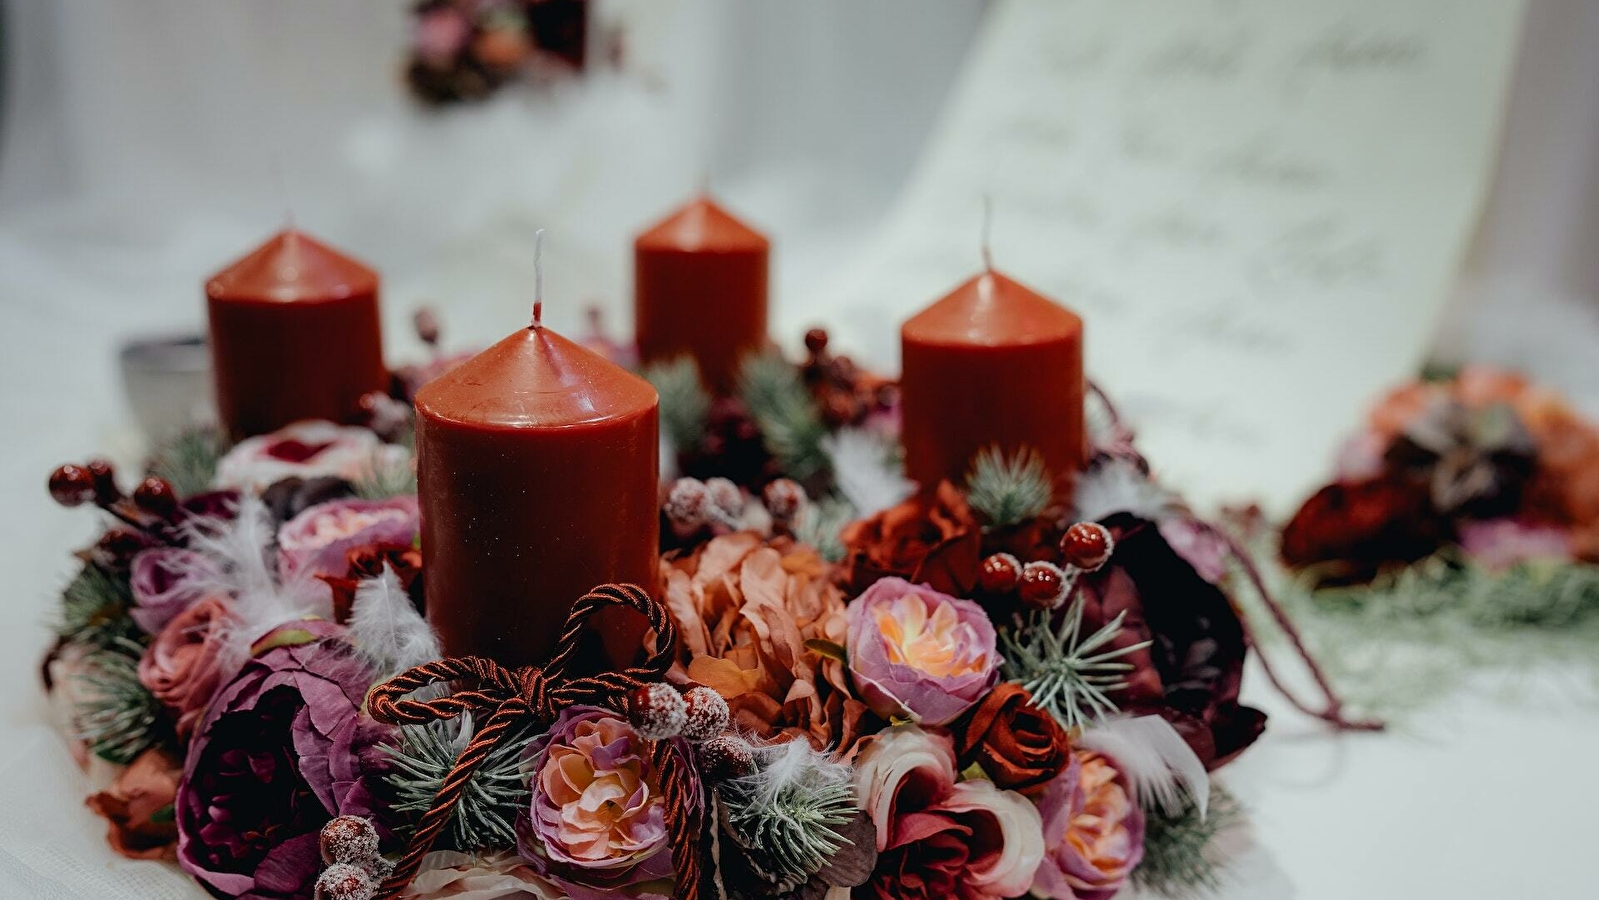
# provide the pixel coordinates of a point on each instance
(316, 541)
(597, 821)
(938, 839)
(305, 450)
(1501, 543)
(166, 581)
(1093, 832)
(919, 654)
(182, 667)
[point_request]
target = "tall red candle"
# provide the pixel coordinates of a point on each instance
(294, 335)
(537, 463)
(700, 289)
(992, 363)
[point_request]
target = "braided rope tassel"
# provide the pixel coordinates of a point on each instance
(538, 695)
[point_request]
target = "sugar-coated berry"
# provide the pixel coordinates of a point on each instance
(1087, 545)
(657, 711)
(71, 485)
(784, 498)
(706, 714)
(157, 496)
(343, 881)
(725, 497)
(688, 503)
(348, 839)
(726, 758)
(105, 482)
(1000, 573)
(1042, 585)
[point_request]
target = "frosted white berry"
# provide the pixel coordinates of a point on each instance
(348, 839)
(726, 757)
(707, 714)
(726, 499)
(688, 503)
(342, 881)
(657, 711)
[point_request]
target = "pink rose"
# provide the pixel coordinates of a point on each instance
(166, 581)
(305, 450)
(1093, 832)
(316, 541)
(916, 653)
(937, 838)
(182, 667)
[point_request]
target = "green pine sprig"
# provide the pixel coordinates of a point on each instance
(1180, 854)
(1009, 490)
(188, 461)
(485, 817)
(684, 402)
(386, 479)
(821, 525)
(1067, 672)
(786, 414)
(117, 716)
(788, 814)
(94, 608)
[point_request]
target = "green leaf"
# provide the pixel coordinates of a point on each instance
(827, 648)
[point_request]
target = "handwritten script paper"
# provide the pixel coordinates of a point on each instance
(1256, 206)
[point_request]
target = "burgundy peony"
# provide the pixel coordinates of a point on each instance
(282, 750)
(165, 582)
(1190, 675)
(183, 666)
(918, 654)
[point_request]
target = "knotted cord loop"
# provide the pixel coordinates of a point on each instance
(513, 698)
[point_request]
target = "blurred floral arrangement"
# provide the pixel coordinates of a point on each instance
(1465, 509)
(853, 686)
(465, 50)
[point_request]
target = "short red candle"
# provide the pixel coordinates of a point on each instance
(992, 363)
(294, 335)
(699, 289)
(537, 463)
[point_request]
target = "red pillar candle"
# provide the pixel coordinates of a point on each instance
(992, 363)
(537, 463)
(294, 335)
(699, 288)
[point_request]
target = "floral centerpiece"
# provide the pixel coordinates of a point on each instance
(852, 686)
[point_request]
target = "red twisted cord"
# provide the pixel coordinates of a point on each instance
(533, 695)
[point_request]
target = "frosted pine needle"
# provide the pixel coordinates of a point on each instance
(684, 403)
(1008, 490)
(821, 525)
(188, 461)
(786, 414)
(1066, 672)
(118, 717)
(1181, 858)
(94, 608)
(497, 791)
(787, 815)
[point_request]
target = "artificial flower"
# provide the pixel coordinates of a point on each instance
(920, 654)
(167, 580)
(1191, 672)
(183, 666)
(370, 561)
(596, 823)
(1018, 746)
(288, 497)
(449, 875)
(755, 617)
(1474, 461)
(936, 837)
(282, 750)
(1093, 831)
(315, 541)
(1362, 526)
(1502, 543)
(932, 538)
(138, 805)
(306, 450)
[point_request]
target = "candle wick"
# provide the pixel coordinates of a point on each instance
(988, 226)
(538, 279)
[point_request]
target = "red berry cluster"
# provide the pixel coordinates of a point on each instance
(845, 394)
(151, 508)
(1085, 547)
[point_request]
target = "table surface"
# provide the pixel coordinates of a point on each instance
(1486, 795)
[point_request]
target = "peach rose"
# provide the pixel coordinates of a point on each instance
(1093, 832)
(139, 807)
(182, 667)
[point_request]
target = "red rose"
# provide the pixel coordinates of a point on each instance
(367, 562)
(183, 666)
(932, 538)
(1021, 747)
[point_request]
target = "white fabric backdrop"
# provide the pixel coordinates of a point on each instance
(139, 151)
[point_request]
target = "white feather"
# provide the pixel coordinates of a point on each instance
(865, 470)
(243, 551)
(386, 628)
(795, 762)
(1158, 763)
(1117, 486)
